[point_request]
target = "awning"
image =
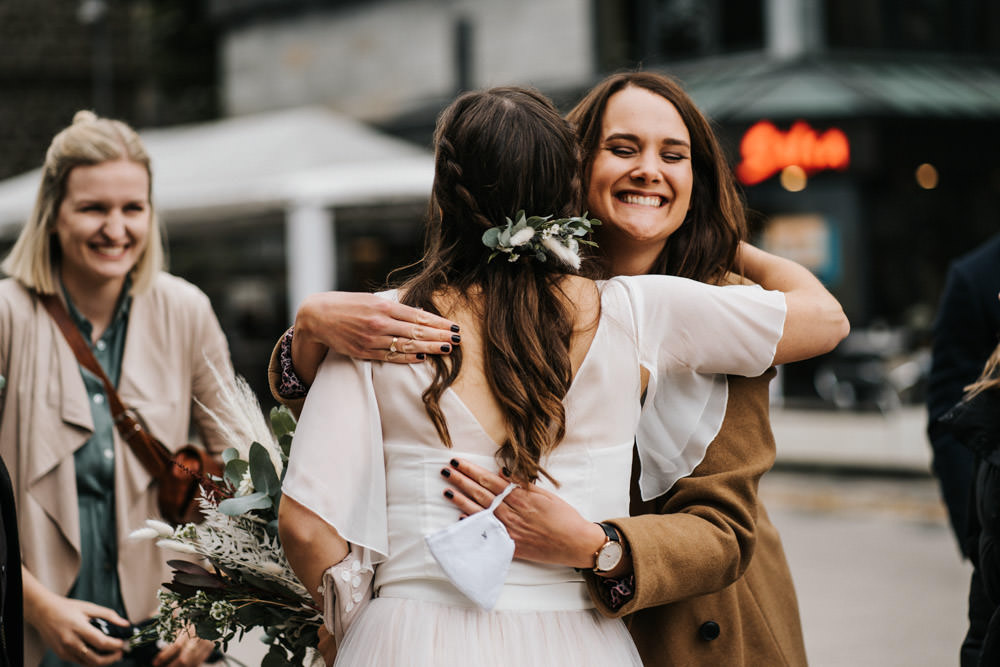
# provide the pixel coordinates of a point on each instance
(751, 87)
(265, 161)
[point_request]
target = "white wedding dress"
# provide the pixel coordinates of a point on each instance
(367, 459)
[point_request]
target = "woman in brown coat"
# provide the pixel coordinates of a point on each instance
(710, 584)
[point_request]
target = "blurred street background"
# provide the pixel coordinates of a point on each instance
(290, 144)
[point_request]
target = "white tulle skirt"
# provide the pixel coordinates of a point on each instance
(398, 632)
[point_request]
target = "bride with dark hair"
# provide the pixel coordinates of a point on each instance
(547, 384)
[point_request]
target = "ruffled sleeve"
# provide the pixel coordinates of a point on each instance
(689, 334)
(336, 467)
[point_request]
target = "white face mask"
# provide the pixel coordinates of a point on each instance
(476, 553)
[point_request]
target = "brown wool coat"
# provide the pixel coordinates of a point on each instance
(45, 416)
(706, 552)
(707, 557)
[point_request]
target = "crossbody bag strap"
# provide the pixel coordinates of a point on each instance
(153, 455)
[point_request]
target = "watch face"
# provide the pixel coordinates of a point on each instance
(609, 556)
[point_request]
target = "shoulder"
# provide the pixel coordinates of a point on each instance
(11, 290)
(172, 291)
(984, 259)
(581, 291)
(684, 289)
(636, 285)
(14, 298)
(172, 304)
(730, 278)
(750, 392)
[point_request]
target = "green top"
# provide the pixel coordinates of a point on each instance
(95, 472)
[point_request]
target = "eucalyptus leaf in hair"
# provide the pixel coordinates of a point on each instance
(541, 237)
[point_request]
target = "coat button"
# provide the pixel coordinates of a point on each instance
(709, 630)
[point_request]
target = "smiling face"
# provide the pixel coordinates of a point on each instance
(640, 179)
(103, 223)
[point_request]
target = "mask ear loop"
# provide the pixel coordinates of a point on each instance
(499, 499)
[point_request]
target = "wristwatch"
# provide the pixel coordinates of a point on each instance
(610, 554)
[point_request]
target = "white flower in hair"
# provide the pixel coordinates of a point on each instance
(561, 252)
(540, 238)
(522, 237)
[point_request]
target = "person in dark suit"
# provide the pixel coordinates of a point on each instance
(975, 422)
(965, 333)
(11, 629)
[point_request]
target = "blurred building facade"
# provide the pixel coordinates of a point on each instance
(149, 62)
(864, 131)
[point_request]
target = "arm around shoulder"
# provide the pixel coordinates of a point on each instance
(814, 322)
(365, 326)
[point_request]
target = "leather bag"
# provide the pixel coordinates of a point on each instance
(178, 474)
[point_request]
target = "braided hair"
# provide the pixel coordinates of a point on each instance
(499, 151)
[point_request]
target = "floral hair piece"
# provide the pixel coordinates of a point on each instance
(540, 237)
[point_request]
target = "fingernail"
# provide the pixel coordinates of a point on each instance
(446, 348)
(456, 339)
(461, 517)
(454, 327)
(421, 356)
(448, 493)
(445, 472)
(454, 463)
(506, 473)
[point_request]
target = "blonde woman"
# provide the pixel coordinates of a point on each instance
(93, 240)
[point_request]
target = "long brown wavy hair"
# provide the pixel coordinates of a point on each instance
(499, 151)
(704, 247)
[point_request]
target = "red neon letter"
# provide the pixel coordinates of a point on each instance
(766, 150)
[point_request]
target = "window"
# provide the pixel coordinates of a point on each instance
(648, 32)
(940, 26)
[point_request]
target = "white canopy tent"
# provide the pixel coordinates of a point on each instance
(304, 162)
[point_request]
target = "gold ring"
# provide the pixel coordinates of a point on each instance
(392, 348)
(389, 355)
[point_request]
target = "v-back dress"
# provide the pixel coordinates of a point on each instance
(366, 458)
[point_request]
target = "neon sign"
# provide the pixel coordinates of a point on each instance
(766, 150)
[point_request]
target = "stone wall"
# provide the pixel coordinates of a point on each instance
(376, 60)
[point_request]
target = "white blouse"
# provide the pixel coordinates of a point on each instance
(366, 458)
